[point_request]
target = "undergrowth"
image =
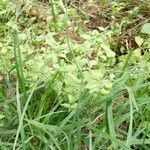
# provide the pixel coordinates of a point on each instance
(74, 75)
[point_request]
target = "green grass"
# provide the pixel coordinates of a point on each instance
(61, 92)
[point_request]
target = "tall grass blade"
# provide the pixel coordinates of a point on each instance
(22, 117)
(130, 130)
(19, 63)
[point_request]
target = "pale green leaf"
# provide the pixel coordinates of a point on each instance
(103, 91)
(139, 40)
(1, 116)
(108, 51)
(71, 99)
(146, 28)
(108, 84)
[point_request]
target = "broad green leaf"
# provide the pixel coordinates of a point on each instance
(139, 40)
(92, 84)
(71, 99)
(71, 79)
(96, 74)
(108, 51)
(103, 91)
(146, 28)
(63, 19)
(50, 40)
(3, 12)
(108, 84)
(137, 54)
(1, 116)
(93, 75)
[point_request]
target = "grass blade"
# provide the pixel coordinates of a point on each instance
(22, 117)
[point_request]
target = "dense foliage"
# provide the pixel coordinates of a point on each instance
(74, 74)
